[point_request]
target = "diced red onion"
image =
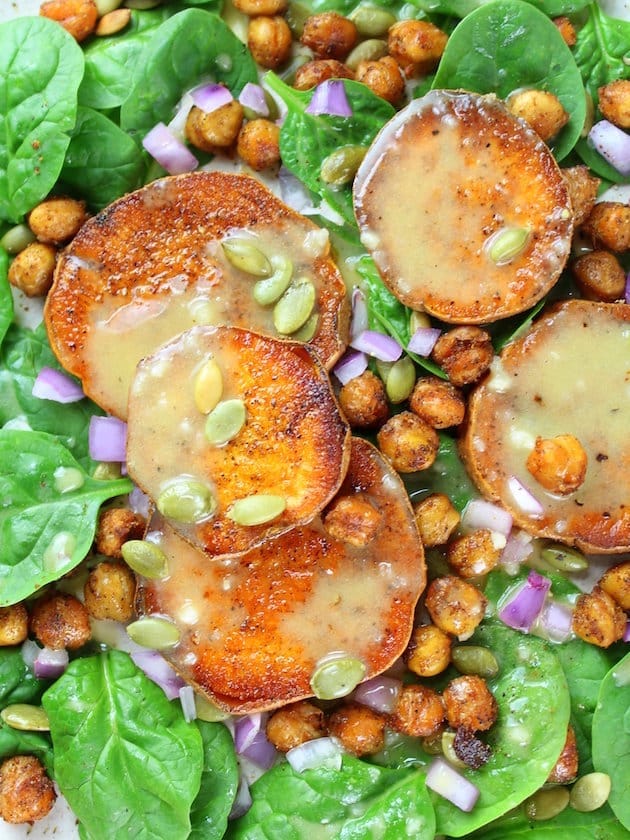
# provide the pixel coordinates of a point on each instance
(555, 621)
(350, 365)
(139, 502)
(107, 439)
(423, 340)
(294, 193)
(524, 500)
(613, 144)
(168, 151)
(330, 98)
(50, 664)
(210, 97)
(261, 751)
(320, 752)
(253, 96)
(627, 289)
(379, 693)
(523, 608)
(445, 780)
(517, 549)
(376, 344)
(626, 633)
(245, 730)
(359, 322)
(243, 800)
(479, 513)
(187, 701)
(52, 384)
(159, 671)
(30, 651)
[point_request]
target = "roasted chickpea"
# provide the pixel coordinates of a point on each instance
(429, 651)
(217, 130)
(616, 582)
(115, 527)
(329, 35)
(598, 619)
(33, 268)
(417, 45)
(294, 724)
(469, 703)
(26, 792)
(261, 7)
(583, 189)
(269, 40)
(13, 625)
(541, 109)
(315, 72)
(614, 102)
(419, 711)
(600, 276)
(259, 144)
(78, 17)
(56, 220)
(475, 554)
(409, 442)
(60, 621)
(455, 605)
(364, 401)
(566, 29)
(109, 591)
(464, 353)
(438, 402)
(558, 464)
(353, 519)
(360, 729)
(436, 518)
(384, 78)
(608, 224)
(565, 769)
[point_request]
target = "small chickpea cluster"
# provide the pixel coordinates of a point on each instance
(600, 616)
(82, 18)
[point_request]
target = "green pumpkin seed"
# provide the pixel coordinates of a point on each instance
(17, 238)
(372, 21)
(145, 558)
(506, 244)
(104, 7)
(341, 166)
(67, 479)
(308, 330)
(186, 500)
(208, 387)
(448, 750)
(225, 421)
(474, 659)
(563, 558)
(590, 792)
(208, 711)
(152, 632)
(59, 551)
(418, 320)
(400, 380)
(383, 368)
(547, 803)
(271, 289)
(245, 256)
(370, 50)
(107, 471)
(257, 509)
(25, 717)
(142, 5)
(336, 676)
(294, 308)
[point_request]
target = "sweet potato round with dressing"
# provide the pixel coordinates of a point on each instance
(293, 445)
(253, 628)
(151, 265)
(463, 208)
(567, 376)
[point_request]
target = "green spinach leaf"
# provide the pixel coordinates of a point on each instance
(125, 758)
(508, 44)
(18, 684)
(446, 475)
(219, 782)
(602, 45)
(40, 72)
(44, 533)
(17, 742)
(6, 298)
(461, 8)
(595, 825)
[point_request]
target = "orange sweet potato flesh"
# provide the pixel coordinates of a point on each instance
(444, 179)
(567, 376)
(254, 627)
(294, 444)
(151, 265)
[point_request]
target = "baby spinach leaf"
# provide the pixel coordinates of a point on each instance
(595, 825)
(446, 475)
(102, 162)
(461, 8)
(18, 684)
(183, 52)
(17, 742)
(611, 737)
(603, 43)
(40, 71)
(125, 758)
(219, 782)
(34, 513)
(360, 800)
(6, 298)
(509, 44)
(306, 140)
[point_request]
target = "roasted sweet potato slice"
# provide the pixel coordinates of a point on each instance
(235, 435)
(254, 628)
(567, 377)
(463, 208)
(151, 265)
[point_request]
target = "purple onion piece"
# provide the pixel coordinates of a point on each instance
(627, 289)
(423, 340)
(260, 751)
(245, 730)
(522, 609)
(612, 143)
(330, 98)
(319, 752)
(447, 782)
(479, 513)
(159, 671)
(52, 384)
(211, 97)
(359, 322)
(107, 439)
(382, 347)
(243, 800)
(253, 96)
(168, 151)
(352, 364)
(50, 664)
(379, 693)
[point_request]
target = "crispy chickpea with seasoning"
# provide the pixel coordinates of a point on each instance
(616, 582)
(558, 464)
(329, 35)
(475, 554)
(320, 70)
(438, 402)
(417, 45)
(565, 769)
(60, 621)
(295, 724)
(384, 77)
(464, 353)
(566, 29)
(353, 519)
(436, 518)
(269, 40)
(26, 793)
(455, 605)
(364, 401)
(115, 527)
(258, 144)
(470, 703)
(598, 619)
(614, 102)
(583, 189)
(78, 17)
(251, 8)
(360, 729)
(33, 268)
(57, 219)
(429, 651)
(13, 625)
(409, 442)
(217, 130)
(541, 109)
(419, 711)
(600, 276)
(608, 224)
(109, 591)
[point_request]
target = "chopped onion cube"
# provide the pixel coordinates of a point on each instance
(245, 730)
(517, 549)
(50, 664)
(159, 671)
(523, 498)
(479, 513)
(379, 693)
(320, 752)
(261, 751)
(613, 144)
(447, 782)
(107, 439)
(376, 344)
(30, 651)
(522, 609)
(187, 700)
(330, 98)
(627, 289)
(352, 364)
(359, 322)
(211, 97)
(168, 151)
(555, 621)
(253, 97)
(51, 384)
(243, 800)
(423, 340)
